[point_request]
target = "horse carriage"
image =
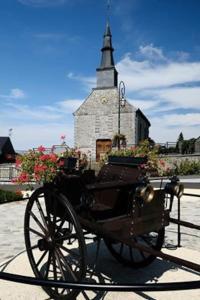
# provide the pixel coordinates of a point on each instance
(119, 205)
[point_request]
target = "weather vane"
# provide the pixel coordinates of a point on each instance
(108, 9)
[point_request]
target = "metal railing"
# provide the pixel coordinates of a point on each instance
(8, 172)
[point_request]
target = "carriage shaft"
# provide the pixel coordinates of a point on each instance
(97, 229)
(184, 223)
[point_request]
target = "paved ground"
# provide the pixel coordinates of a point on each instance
(12, 219)
(108, 268)
(12, 242)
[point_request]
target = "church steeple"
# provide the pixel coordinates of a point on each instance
(106, 73)
(107, 60)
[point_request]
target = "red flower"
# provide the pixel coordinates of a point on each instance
(44, 157)
(39, 168)
(53, 157)
(24, 177)
(41, 149)
(14, 180)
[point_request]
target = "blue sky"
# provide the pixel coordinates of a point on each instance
(50, 49)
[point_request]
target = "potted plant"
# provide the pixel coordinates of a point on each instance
(119, 138)
(145, 156)
(42, 167)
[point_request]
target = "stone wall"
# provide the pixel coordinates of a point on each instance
(97, 118)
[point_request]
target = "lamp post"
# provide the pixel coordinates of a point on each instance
(122, 103)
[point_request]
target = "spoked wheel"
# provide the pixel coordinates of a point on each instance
(54, 241)
(133, 257)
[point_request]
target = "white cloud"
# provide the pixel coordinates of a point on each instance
(15, 93)
(88, 81)
(31, 135)
(151, 52)
(42, 3)
(168, 127)
(186, 97)
(47, 113)
(70, 106)
(187, 119)
(145, 105)
(50, 36)
(25, 112)
(140, 75)
(33, 126)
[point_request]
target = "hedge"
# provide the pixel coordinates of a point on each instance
(8, 196)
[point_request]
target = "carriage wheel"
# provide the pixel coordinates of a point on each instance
(133, 257)
(54, 241)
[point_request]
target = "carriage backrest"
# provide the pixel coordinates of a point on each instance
(111, 172)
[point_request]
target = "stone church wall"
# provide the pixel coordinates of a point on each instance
(97, 118)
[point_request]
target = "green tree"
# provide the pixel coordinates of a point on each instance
(179, 143)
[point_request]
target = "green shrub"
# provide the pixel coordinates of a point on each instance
(187, 167)
(8, 196)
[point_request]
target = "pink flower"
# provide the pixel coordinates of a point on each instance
(61, 163)
(41, 149)
(62, 137)
(18, 162)
(37, 177)
(162, 163)
(142, 166)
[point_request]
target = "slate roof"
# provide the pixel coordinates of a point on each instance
(6, 145)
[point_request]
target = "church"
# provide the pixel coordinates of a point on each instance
(96, 120)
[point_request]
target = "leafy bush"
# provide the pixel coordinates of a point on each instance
(8, 196)
(187, 167)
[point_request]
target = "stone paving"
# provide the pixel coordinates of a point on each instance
(108, 270)
(12, 226)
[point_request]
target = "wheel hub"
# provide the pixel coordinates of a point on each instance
(45, 244)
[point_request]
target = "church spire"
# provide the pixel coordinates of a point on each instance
(106, 73)
(107, 60)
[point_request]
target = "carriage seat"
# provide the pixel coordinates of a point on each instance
(111, 189)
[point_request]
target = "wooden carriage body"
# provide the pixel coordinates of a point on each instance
(110, 199)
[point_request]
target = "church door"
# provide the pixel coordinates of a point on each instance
(102, 147)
